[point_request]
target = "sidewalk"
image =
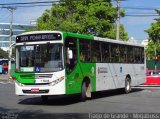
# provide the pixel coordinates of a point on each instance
(4, 77)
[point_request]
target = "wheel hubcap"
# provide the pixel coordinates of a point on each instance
(128, 86)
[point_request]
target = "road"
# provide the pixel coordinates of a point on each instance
(141, 99)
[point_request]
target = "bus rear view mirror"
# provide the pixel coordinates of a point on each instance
(70, 54)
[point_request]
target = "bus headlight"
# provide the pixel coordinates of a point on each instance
(20, 84)
(56, 81)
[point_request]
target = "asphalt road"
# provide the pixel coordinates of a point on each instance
(140, 100)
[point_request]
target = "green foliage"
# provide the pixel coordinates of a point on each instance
(3, 54)
(154, 39)
(150, 50)
(154, 31)
(112, 33)
(95, 17)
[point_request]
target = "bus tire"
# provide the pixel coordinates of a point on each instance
(86, 91)
(44, 98)
(83, 92)
(127, 85)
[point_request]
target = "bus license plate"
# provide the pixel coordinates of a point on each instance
(35, 90)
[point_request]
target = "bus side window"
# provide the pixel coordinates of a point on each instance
(105, 52)
(130, 56)
(82, 57)
(85, 50)
(95, 51)
(115, 53)
(123, 53)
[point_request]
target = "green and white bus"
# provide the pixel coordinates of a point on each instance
(62, 63)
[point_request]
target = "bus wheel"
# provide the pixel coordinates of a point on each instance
(86, 91)
(44, 98)
(127, 85)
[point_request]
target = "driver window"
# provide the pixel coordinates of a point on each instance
(70, 49)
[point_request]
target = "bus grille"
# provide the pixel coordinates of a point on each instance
(37, 76)
(42, 76)
(40, 91)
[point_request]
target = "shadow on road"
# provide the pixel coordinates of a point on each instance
(72, 99)
(39, 114)
(110, 93)
(53, 100)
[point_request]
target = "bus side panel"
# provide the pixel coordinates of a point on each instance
(89, 71)
(108, 76)
(75, 79)
(113, 75)
(140, 74)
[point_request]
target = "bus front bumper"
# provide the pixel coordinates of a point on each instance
(58, 89)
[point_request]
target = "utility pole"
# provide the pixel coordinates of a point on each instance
(155, 57)
(11, 9)
(118, 20)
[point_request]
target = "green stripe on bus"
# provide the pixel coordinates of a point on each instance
(25, 78)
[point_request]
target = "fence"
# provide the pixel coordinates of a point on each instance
(151, 64)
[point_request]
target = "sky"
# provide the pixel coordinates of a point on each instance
(134, 25)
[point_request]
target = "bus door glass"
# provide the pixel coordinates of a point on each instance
(71, 54)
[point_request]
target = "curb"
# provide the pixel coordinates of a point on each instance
(149, 85)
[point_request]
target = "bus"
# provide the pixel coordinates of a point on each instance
(52, 63)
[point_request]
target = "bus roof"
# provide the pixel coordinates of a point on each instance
(36, 32)
(77, 35)
(118, 41)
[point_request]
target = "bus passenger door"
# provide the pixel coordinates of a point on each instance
(73, 72)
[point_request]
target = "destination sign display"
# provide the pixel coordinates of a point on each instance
(38, 37)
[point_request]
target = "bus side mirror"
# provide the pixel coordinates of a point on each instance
(70, 53)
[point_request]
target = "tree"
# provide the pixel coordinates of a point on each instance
(150, 50)
(154, 39)
(3, 54)
(94, 17)
(154, 31)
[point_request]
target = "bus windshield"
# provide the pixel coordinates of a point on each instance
(40, 58)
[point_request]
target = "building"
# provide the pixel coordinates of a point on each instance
(5, 33)
(145, 42)
(132, 40)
